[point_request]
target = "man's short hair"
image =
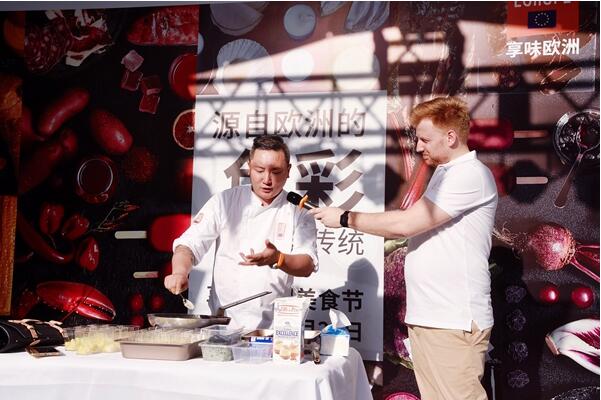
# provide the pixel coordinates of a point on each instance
(270, 142)
(445, 113)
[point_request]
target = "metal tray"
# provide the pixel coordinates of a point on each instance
(157, 351)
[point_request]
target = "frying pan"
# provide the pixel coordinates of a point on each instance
(169, 320)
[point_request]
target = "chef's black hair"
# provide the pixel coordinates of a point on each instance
(270, 142)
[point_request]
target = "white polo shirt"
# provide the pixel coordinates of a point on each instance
(446, 269)
(237, 221)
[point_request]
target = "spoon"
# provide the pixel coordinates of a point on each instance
(187, 303)
(583, 148)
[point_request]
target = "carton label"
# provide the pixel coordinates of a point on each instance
(288, 324)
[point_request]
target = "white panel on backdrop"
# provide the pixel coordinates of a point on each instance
(337, 147)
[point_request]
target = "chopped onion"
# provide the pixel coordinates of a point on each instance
(578, 340)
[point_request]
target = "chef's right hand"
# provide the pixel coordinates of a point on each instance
(176, 283)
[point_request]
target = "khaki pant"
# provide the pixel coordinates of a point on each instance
(449, 363)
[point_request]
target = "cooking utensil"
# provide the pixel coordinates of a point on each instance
(221, 310)
(187, 303)
(585, 141)
(174, 320)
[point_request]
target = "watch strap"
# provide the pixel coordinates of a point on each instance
(344, 219)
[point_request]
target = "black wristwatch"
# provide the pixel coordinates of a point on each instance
(344, 219)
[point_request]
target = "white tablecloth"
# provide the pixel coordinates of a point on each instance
(109, 376)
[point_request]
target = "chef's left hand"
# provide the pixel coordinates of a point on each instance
(268, 256)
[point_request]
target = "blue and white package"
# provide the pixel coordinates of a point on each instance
(261, 339)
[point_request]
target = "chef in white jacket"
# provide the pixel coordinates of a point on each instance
(262, 240)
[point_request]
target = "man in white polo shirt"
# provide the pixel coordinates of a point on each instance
(449, 311)
(262, 240)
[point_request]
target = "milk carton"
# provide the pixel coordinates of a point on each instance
(288, 328)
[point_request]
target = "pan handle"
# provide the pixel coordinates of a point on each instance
(221, 310)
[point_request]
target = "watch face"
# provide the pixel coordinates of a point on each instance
(578, 132)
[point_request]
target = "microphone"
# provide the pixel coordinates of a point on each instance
(300, 201)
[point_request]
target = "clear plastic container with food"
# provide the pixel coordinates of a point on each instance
(252, 353)
(91, 339)
(221, 334)
(218, 352)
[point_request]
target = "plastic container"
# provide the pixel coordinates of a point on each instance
(266, 336)
(218, 352)
(91, 339)
(221, 334)
(252, 353)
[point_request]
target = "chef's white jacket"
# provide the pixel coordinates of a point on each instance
(237, 221)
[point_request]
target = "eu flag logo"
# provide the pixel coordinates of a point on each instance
(542, 19)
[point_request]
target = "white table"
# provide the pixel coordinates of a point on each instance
(109, 376)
